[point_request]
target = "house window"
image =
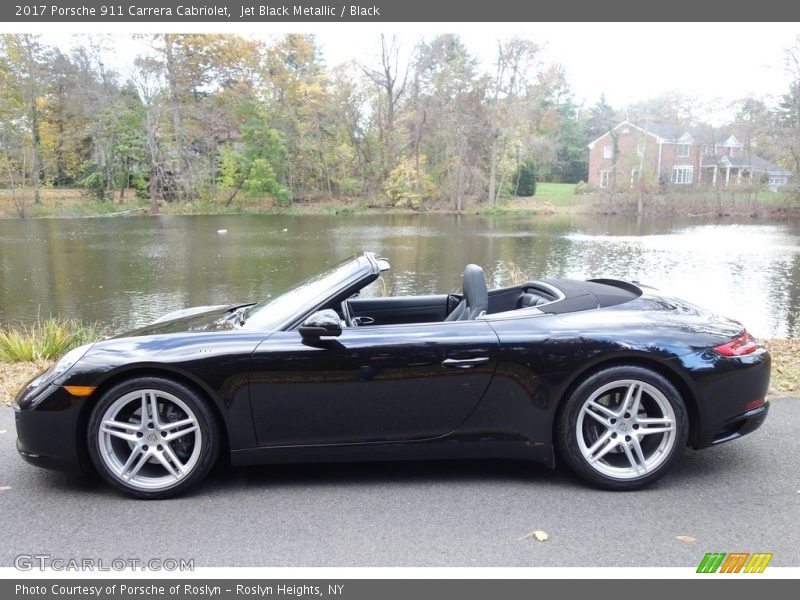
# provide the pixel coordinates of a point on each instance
(634, 176)
(682, 175)
(776, 182)
(606, 178)
(608, 152)
(639, 149)
(683, 150)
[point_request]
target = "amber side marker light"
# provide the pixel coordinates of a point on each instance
(80, 390)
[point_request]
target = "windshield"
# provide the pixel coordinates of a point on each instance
(273, 312)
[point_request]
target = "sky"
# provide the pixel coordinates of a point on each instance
(628, 62)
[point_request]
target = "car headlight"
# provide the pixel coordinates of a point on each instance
(64, 364)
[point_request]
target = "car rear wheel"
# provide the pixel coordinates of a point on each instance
(152, 437)
(622, 428)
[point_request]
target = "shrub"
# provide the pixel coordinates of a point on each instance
(283, 196)
(402, 185)
(524, 180)
(45, 339)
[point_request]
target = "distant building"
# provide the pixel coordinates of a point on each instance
(681, 156)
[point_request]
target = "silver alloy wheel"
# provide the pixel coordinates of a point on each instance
(150, 439)
(626, 429)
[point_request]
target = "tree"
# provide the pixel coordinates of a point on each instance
(600, 119)
(556, 140)
(507, 118)
(296, 88)
(392, 88)
(104, 121)
(257, 166)
(149, 88)
(197, 69)
(25, 83)
(674, 108)
(120, 139)
(206, 116)
(788, 111)
(451, 97)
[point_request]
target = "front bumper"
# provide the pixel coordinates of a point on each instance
(48, 421)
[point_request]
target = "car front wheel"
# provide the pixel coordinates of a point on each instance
(622, 428)
(152, 437)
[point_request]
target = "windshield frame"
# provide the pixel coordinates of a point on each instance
(287, 310)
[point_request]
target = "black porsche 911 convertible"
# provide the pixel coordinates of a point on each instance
(613, 378)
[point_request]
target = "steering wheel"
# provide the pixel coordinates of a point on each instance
(347, 315)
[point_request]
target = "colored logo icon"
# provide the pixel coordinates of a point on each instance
(734, 562)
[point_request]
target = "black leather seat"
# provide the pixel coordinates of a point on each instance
(476, 296)
(531, 299)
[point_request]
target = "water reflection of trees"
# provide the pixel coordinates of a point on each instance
(128, 271)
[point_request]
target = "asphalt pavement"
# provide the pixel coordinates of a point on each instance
(743, 496)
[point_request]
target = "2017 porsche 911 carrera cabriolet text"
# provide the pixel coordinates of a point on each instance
(611, 377)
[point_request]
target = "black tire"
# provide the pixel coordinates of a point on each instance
(197, 438)
(613, 451)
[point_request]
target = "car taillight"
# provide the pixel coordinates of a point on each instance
(744, 344)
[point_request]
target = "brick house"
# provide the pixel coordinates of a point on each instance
(680, 156)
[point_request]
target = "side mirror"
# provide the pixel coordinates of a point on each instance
(324, 323)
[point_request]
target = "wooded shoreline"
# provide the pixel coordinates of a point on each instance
(553, 199)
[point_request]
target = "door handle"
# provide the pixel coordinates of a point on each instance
(465, 363)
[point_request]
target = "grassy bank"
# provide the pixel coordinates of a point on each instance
(26, 351)
(46, 339)
(13, 375)
(785, 379)
(550, 198)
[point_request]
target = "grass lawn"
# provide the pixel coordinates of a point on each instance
(562, 194)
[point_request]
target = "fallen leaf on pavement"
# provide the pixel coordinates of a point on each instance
(538, 535)
(686, 538)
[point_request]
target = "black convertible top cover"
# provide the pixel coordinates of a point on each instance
(590, 294)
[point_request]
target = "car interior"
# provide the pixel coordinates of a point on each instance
(474, 301)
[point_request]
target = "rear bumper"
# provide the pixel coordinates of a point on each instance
(741, 425)
(722, 388)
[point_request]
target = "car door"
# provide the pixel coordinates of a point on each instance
(377, 383)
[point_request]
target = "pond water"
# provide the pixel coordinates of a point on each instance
(126, 271)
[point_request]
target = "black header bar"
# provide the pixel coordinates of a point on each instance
(393, 11)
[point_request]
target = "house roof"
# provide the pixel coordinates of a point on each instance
(671, 132)
(753, 162)
(624, 123)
